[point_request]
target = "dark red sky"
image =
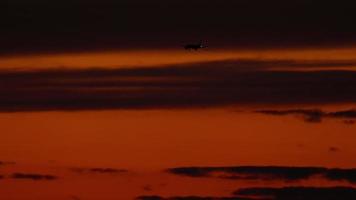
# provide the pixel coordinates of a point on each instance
(38, 25)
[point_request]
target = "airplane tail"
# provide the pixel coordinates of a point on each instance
(201, 44)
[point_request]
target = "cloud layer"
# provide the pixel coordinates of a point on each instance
(300, 193)
(99, 170)
(315, 115)
(190, 198)
(270, 193)
(195, 85)
(283, 173)
(35, 177)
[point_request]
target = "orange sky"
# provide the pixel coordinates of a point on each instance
(148, 141)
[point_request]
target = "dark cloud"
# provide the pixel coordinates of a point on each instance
(99, 170)
(308, 115)
(149, 198)
(196, 85)
(82, 25)
(267, 173)
(250, 172)
(300, 193)
(315, 115)
(190, 198)
(348, 175)
(334, 149)
(6, 163)
(270, 193)
(35, 177)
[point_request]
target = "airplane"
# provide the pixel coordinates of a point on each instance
(194, 46)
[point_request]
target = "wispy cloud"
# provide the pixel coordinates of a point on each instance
(250, 172)
(270, 193)
(99, 170)
(6, 163)
(300, 193)
(283, 173)
(191, 198)
(314, 115)
(35, 177)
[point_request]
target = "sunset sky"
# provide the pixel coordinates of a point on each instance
(100, 101)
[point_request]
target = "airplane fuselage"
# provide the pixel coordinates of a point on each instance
(193, 46)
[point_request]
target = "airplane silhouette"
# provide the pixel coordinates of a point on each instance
(194, 46)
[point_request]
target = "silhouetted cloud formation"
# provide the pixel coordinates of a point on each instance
(250, 172)
(6, 163)
(300, 193)
(341, 174)
(99, 170)
(35, 177)
(190, 198)
(155, 197)
(267, 173)
(84, 25)
(196, 85)
(315, 115)
(270, 193)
